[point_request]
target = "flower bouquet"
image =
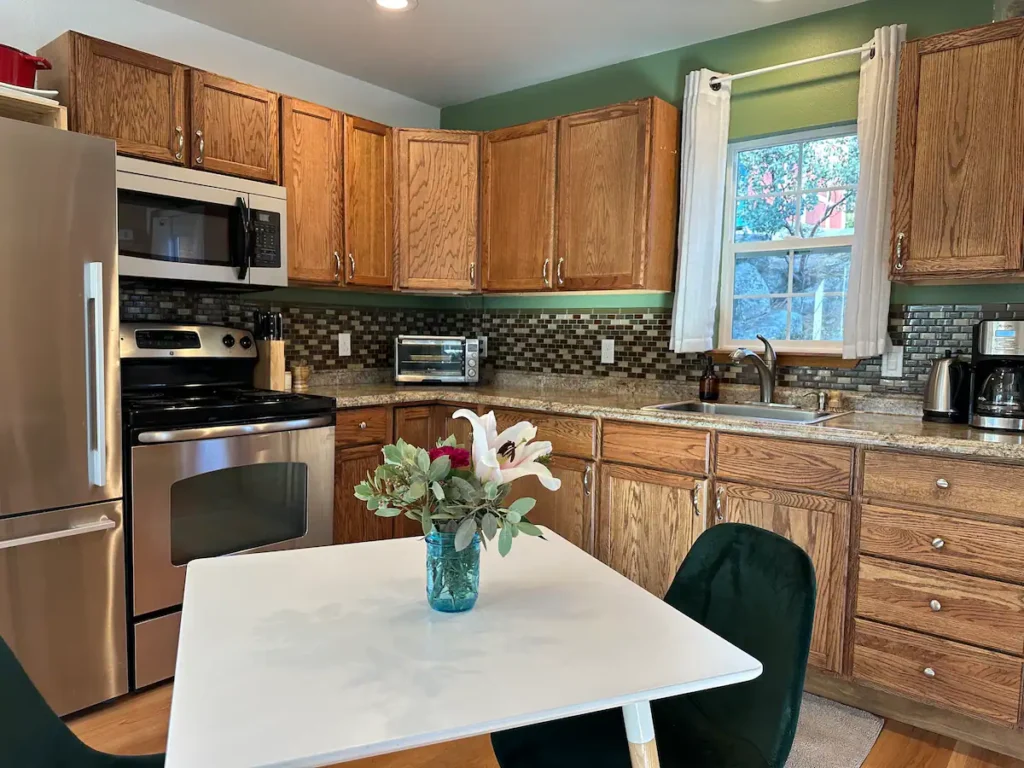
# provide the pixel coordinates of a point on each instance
(458, 496)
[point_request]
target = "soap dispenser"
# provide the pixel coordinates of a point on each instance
(709, 382)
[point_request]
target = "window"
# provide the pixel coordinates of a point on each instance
(790, 213)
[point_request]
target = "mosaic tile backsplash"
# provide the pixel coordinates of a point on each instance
(561, 342)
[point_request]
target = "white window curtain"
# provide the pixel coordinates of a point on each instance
(703, 152)
(866, 322)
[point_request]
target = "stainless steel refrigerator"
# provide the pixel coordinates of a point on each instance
(62, 594)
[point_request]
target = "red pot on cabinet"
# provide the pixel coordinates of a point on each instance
(19, 68)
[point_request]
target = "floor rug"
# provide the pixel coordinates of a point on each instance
(832, 735)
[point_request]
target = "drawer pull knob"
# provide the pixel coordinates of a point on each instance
(938, 543)
(942, 483)
(935, 605)
(929, 672)
(362, 425)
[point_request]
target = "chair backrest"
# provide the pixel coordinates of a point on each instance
(31, 734)
(755, 589)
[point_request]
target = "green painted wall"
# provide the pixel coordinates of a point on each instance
(804, 97)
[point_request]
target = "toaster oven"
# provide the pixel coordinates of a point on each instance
(437, 360)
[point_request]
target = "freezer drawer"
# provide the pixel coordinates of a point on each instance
(156, 649)
(62, 602)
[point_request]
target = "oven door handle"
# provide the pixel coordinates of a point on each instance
(233, 430)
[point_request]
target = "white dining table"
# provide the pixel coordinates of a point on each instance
(320, 656)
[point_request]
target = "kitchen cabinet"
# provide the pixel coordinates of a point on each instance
(135, 99)
(436, 202)
(518, 202)
(821, 527)
(618, 197)
(448, 425)
(234, 127)
(353, 522)
(311, 141)
(647, 522)
(417, 426)
(785, 463)
(958, 202)
(369, 225)
(570, 510)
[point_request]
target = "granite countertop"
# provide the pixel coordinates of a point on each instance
(860, 428)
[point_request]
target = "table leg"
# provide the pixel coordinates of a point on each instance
(643, 751)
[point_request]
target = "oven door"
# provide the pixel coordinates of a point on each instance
(244, 488)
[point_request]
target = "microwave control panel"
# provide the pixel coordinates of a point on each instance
(266, 230)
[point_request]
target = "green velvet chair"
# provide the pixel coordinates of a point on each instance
(32, 736)
(756, 590)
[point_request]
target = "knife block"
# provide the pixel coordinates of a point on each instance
(269, 373)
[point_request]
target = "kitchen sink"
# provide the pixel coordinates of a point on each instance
(755, 411)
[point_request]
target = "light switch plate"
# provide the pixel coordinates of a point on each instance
(892, 363)
(482, 340)
(344, 345)
(608, 351)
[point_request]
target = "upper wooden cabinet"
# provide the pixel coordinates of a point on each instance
(518, 199)
(135, 99)
(311, 172)
(437, 190)
(234, 127)
(959, 201)
(369, 226)
(618, 193)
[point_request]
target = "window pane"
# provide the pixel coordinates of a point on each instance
(818, 318)
(831, 162)
(766, 317)
(760, 273)
(821, 270)
(828, 214)
(764, 219)
(769, 170)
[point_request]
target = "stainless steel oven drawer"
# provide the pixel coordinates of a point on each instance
(156, 649)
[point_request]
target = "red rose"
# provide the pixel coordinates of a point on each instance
(459, 456)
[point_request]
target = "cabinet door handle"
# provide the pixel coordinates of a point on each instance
(472, 274)
(558, 272)
(719, 499)
(180, 134)
(929, 672)
(362, 425)
(900, 239)
(942, 483)
(544, 272)
(935, 605)
(695, 496)
(938, 543)
(337, 266)
(202, 148)
(586, 480)
(351, 267)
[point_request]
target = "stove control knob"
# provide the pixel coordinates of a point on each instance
(229, 340)
(245, 342)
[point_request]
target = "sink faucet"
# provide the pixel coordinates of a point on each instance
(766, 367)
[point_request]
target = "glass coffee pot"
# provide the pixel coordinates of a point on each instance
(1001, 394)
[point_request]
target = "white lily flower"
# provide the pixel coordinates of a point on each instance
(505, 457)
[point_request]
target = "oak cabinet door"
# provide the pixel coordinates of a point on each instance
(447, 424)
(959, 201)
(821, 527)
(369, 224)
(353, 522)
(569, 511)
(131, 97)
(437, 209)
(311, 171)
(647, 522)
(234, 128)
(415, 425)
(518, 198)
(602, 196)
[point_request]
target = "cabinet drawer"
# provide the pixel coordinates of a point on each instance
(928, 538)
(156, 649)
(362, 426)
(951, 605)
(569, 436)
(668, 448)
(938, 672)
(786, 464)
(973, 486)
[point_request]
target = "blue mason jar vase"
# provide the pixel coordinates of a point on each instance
(453, 578)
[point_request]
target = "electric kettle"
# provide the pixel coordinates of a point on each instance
(941, 393)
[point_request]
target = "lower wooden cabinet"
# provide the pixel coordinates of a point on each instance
(569, 511)
(353, 522)
(821, 527)
(448, 425)
(415, 425)
(647, 522)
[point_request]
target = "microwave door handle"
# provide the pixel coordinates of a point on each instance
(241, 255)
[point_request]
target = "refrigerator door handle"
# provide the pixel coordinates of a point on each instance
(97, 409)
(103, 524)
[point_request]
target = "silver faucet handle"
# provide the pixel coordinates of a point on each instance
(770, 358)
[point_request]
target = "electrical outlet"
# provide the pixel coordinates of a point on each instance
(608, 351)
(344, 345)
(482, 340)
(892, 363)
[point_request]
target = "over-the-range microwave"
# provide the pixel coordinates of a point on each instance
(181, 224)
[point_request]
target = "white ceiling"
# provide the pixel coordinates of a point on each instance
(451, 51)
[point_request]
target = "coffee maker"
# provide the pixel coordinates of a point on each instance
(997, 376)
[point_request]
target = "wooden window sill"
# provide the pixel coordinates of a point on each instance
(798, 359)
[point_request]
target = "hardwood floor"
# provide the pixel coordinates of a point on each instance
(138, 725)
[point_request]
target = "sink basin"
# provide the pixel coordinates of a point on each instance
(756, 411)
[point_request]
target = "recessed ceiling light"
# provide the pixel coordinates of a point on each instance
(395, 5)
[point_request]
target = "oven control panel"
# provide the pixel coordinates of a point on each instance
(158, 340)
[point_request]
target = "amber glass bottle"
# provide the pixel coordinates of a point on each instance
(709, 382)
